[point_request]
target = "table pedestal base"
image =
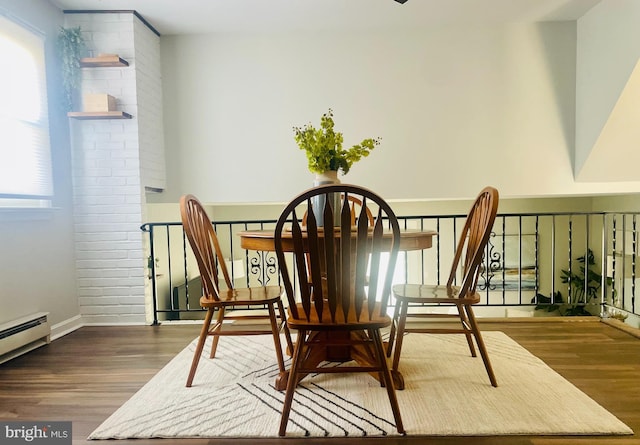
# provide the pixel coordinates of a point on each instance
(362, 353)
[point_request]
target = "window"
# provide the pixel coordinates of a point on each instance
(25, 158)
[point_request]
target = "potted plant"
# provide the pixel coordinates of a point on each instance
(584, 283)
(71, 46)
(326, 157)
(323, 147)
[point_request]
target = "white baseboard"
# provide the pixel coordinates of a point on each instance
(66, 327)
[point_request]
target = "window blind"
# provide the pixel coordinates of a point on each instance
(25, 155)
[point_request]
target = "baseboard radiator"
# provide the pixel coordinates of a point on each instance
(20, 336)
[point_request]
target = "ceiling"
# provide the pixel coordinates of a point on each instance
(208, 16)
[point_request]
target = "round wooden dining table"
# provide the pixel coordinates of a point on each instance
(263, 240)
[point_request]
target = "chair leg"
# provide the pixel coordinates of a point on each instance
(200, 346)
(276, 337)
(292, 382)
(392, 332)
(285, 327)
(462, 313)
(373, 356)
(483, 350)
(386, 374)
(214, 344)
(402, 321)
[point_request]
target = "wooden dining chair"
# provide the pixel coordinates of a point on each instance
(467, 265)
(335, 301)
(218, 297)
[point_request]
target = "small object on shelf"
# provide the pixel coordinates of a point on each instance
(99, 115)
(98, 102)
(103, 60)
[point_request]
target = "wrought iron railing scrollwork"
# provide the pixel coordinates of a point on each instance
(492, 265)
(263, 266)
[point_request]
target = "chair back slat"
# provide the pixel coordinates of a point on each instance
(344, 267)
(376, 254)
(338, 266)
(361, 260)
(305, 289)
(473, 241)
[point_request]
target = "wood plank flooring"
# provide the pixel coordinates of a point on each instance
(86, 375)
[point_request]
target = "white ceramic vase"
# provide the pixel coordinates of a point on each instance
(328, 177)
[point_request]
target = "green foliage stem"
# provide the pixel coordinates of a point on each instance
(323, 146)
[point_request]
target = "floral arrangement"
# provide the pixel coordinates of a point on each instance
(324, 150)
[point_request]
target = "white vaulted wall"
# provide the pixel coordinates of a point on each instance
(608, 92)
(457, 107)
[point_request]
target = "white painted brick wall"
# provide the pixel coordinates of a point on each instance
(149, 94)
(113, 160)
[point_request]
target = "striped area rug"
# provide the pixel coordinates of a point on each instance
(447, 393)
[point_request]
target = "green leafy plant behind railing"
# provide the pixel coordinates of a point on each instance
(585, 283)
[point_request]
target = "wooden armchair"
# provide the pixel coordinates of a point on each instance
(467, 264)
(340, 310)
(216, 299)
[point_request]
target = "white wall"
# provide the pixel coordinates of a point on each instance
(457, 108)
(608, 89)
(148, 88)
(37, 266)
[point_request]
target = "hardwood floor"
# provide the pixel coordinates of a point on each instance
(86, 375)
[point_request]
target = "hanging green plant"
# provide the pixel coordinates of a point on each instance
(71, 47)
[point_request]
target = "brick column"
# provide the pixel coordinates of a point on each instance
(113, 162)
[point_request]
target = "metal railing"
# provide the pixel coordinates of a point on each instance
(565, 261)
